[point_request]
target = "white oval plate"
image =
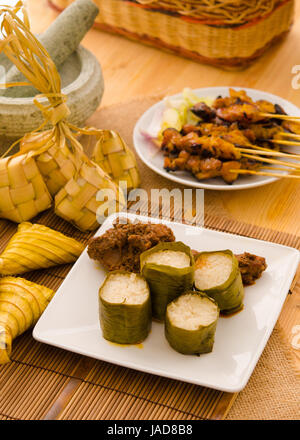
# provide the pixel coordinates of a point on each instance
(154, 159)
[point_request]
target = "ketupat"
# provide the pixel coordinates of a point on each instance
(74, 179)
(116, 159)
(56, 163)
(83, 196)
(22, 302)
(23, 192)
(36, 246)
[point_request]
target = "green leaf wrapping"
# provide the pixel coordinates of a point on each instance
(229, 295)
(124, 323)
(196, 341)
(166, 283)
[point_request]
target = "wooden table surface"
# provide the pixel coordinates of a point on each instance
(134, 70)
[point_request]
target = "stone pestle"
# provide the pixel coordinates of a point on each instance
(61, 39)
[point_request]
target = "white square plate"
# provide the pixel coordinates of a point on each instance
(71, 320)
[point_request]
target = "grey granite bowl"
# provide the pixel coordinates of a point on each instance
(82, 82)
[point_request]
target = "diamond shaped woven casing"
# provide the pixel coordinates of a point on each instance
(57, 167)
(116, 159)
(83, 195)
(23, 192)
(57, 163)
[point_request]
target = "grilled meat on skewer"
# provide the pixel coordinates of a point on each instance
(203, 111)
(292, 127)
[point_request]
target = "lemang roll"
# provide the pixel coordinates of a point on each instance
(190, 324)
(218, 275)
(169, 271)
(125, 308)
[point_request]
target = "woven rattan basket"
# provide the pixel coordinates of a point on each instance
(227, 33)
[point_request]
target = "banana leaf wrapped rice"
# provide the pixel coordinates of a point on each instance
(125, 308)
(218, 275)
(191, 321)
(169, 271)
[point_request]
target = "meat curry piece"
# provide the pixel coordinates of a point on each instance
(119, 248)
(251, 267)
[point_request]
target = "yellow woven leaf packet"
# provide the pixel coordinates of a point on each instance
(22, 303)
(36, 246)
(57, 163)
(23, 192)
(116, 159)
(81, 188)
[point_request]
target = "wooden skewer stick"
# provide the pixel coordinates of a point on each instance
(261, 173)
(276, 169)
(275, 161)
(287, 134)
(270, 153)
(283, 142)
(256, 147)
(284, 117)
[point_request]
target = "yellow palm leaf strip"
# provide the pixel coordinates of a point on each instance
(5, 343)
(39, 295)
(36, 246)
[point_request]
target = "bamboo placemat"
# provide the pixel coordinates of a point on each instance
(43, 382)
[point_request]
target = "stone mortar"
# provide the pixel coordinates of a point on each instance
(82, 83)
